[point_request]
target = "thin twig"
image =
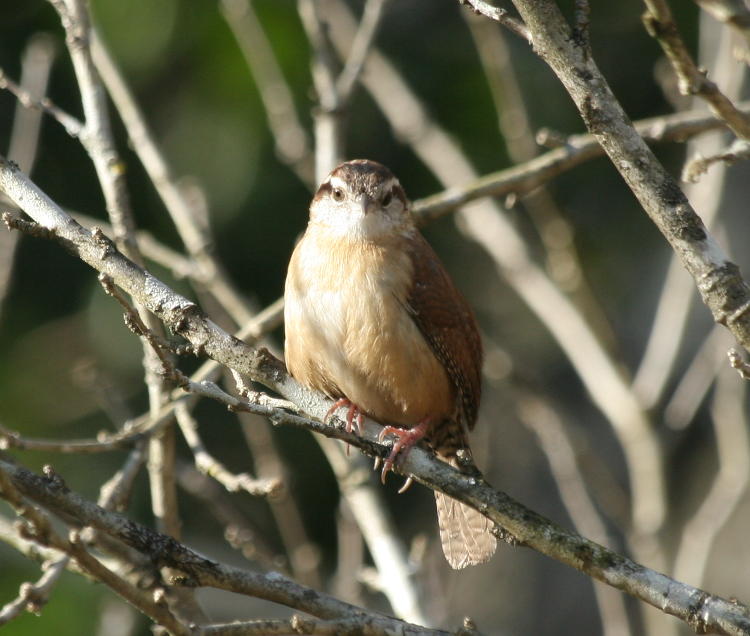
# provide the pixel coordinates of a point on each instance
(33, 596)
(74, 127)
(700, 533)
(363, 41)
(498, 15)
(135, 324)
(36, 62)
(153, 250)
(328, 115)
(577, 149)
(290, 137)
(209, 465)
(738, 151)
(691, 81)
(114, 493)
(13, 439)
(697, 379)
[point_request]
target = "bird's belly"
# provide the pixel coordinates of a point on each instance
(359, 341)
(391, 372)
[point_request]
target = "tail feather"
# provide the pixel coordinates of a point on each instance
(466, 534)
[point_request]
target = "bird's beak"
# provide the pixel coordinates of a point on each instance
(367, 204)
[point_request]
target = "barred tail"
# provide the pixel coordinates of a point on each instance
(465, 533)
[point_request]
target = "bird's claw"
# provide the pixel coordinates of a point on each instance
(407, 484)
(409, 480)
(405, 439)
(352, 414)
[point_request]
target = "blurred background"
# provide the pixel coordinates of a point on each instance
(69, 368)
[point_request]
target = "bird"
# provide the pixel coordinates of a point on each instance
(374, 321)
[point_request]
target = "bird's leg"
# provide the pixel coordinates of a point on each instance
(352, 413)
(406, 438)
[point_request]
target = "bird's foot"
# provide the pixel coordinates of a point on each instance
(406, 438)
(353, 414)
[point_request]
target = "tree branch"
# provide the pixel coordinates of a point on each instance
(195, 570)
(498, 15)
(660, 25)
(719, 282)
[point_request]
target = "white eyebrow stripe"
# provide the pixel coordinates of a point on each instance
(390, 184)
(337, 182)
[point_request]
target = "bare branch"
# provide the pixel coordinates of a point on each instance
(40, 530)
(195, 570)
(738, 151)
(73, 126)
(577, 149)
(729, 486)
(295, 625)
(558, 448)
(697, 379)
(292, 144)
(33, 596)
(660, 25)
(96, 135)
(368, 28)
(36, 62)
(209, 465)
(718, 279)
(498, 15)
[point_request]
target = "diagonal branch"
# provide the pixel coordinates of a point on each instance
(719, 282)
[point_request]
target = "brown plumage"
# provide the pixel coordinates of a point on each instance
(372, 317)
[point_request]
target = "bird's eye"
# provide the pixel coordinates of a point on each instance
(387, 199)
(338, 194)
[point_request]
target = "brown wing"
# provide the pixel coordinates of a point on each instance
(448, 324)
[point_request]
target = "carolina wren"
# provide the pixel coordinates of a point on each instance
(373, 320)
